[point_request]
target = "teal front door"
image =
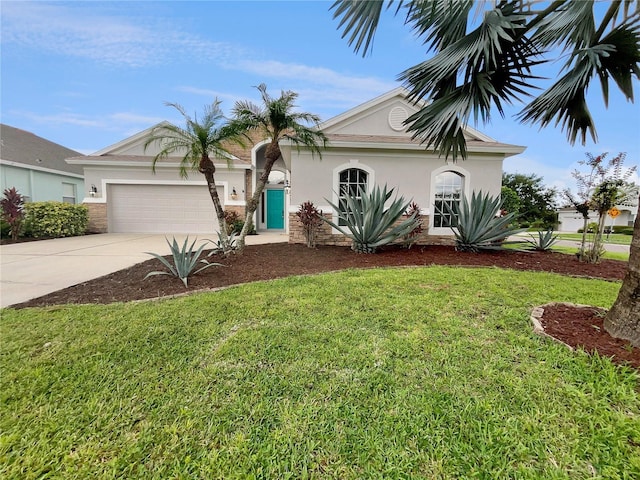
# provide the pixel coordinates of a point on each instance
(275, 209)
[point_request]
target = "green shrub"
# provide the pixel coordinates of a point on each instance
(55, 219)
(623, 230)
(5, 229)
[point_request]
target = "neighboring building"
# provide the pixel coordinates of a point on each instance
(367, 145)
(36, 167)
(571, 221)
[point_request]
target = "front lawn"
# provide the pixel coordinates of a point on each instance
(622, 256)
(614, 238)
(429, 372)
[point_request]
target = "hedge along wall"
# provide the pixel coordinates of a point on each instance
(55, 219)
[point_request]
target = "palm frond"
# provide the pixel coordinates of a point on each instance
(565, 102)
(359, 20)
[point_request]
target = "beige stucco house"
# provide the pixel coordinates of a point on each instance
(368, 145)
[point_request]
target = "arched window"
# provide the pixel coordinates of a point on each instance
(351, 183)
(448, 191)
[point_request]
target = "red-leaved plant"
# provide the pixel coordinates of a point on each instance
(412, 236)
(309, 217)
(13, 210)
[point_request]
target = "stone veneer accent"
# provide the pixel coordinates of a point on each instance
(235, 208)
(324, 235)
(97, 213)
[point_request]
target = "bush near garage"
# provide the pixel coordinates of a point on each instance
(623, 230)
(55, 219)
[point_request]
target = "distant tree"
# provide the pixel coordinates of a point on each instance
(483, 56)
(196, 142)
(604, 185)
(510, 201)
(275, 119)
(537, 202)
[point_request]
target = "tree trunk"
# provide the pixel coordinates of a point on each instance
(271, 155)
(623, 320)
(207, 168)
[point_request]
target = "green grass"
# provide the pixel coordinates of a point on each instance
(624, 256)
(614, 238)
(391, 373)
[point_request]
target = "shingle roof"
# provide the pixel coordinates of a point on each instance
(403, 140)
(24, 147)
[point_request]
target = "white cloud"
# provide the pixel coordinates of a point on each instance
(228, 98)
(109, 39)
(119, 121)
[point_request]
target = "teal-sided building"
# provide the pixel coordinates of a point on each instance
(36, 167)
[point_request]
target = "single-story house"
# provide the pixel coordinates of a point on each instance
(368, 145)
(37, 169)
(571, 221)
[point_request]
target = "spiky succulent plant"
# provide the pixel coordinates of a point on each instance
(370, 223)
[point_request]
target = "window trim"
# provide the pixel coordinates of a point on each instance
(74, 187)
(336, 184)
(466, 183)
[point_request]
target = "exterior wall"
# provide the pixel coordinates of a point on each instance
(104, 176)
(325, 235)
(312, 179)
(97, 213)
(39, 186)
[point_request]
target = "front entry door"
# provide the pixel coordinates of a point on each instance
(275, 209)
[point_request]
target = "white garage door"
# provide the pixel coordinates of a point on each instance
(161, 209)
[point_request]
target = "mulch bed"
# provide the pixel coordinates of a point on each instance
(265, 262)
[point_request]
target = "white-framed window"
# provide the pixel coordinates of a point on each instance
(449, 187)
(351, 183)
(69, 192)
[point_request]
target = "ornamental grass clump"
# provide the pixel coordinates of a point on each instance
(369, 223)
(479, 225)
(310, 218)
(185, 260)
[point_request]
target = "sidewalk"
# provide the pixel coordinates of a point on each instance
(32, 269)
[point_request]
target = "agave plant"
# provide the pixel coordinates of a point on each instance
(478, 226)
(185, 260)
(218, 245)
(544, 241)
(369, 223)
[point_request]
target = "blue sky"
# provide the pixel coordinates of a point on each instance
(89, 74)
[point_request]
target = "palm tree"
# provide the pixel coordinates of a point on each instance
(275, 120)
(196, 143)
(483, 57)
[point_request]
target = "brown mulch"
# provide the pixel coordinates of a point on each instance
(265, 262)
(583, 327)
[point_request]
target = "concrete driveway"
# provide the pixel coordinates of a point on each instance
(32, 269)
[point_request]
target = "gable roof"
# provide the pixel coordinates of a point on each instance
(21, 147)
(391, 109)
(131, 151)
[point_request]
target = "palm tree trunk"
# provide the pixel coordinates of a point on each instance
(271, 155)
(207, 168)
(623, 319)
